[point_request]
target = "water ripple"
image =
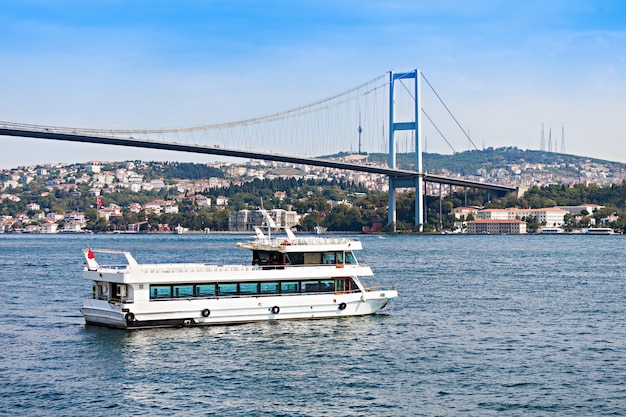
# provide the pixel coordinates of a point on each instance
(484, 326)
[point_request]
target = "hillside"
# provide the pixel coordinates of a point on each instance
(468, 162)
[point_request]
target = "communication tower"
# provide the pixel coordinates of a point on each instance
(360, 130)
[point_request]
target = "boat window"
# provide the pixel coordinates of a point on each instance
(332, 258)
(276, 258)
(183, 291)
(310, 286)
(205, 290)
(340, 285)
(350, 259)
(314, 258)
(295, 258)
(327, 285)
(269, 288)
(160, 291)
(289, 287)
(328, 258)
(227, 289)
(248, 288)
(260, 257)
(345, 285)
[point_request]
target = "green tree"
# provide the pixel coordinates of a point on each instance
(309, 221)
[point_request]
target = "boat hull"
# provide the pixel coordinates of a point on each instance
(188, 313)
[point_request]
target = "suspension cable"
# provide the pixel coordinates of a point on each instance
(449, 112)
(437, 129)
(293, 112)
(444, 138)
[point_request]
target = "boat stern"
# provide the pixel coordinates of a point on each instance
(103, 313)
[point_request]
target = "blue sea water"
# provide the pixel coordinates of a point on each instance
(484, 326)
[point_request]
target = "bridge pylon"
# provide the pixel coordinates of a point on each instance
(416, 126)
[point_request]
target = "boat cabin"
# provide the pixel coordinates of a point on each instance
(268, 259)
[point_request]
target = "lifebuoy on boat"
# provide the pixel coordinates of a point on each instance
(275, 310)
(206, 312)
(129, 317)
(342, 306)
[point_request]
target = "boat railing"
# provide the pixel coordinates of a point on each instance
(103, 297)
(369, 287)
(296, 266)
(217, 297)
(304, 241)
(184, 268)
(115, 267)
(178, 268)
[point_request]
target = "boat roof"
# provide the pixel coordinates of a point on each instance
(291, 243)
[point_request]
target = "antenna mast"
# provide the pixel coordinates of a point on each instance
(550, 140)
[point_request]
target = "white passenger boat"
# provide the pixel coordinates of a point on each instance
(551, 231)
(288, 278)
(600, 231)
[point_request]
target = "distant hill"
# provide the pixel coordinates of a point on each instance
(180, 170)
(468, 162)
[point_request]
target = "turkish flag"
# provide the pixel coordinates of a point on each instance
(90, 254)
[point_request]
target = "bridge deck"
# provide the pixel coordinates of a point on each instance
(403, 175)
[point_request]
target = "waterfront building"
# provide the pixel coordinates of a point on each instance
(496, 227)
(550, 216)
(246, 220)
(49, 227)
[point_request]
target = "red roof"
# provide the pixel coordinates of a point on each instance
(497, 221)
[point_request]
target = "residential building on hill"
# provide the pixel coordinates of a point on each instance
(576, 210)
(464, 212)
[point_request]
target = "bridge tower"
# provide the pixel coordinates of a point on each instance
(416, 126)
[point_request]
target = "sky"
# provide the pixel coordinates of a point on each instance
(505, 67)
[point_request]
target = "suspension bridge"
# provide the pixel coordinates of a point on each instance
(383, 115)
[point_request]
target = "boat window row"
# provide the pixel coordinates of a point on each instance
(244, 289)
(260, 257)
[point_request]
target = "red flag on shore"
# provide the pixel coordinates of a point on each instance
(99, 201)
(90, 254)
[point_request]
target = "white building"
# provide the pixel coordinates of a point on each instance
(464, 212)
(576, 210)
(104, 178)
(496, 227)
(202, 201)
(285, 218)
(245, 220)
(550, 216)
(161, 206)
(74, 221)
(170, 207)
(49, 227)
